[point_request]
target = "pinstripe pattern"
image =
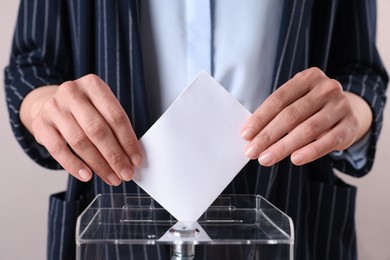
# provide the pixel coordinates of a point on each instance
(57, 41)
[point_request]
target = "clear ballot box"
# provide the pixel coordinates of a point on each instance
(118, 226)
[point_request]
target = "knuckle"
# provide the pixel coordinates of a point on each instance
(278, 99)
(55, 148)
(96, 88)
(95, 83)
(68, 89)
(77, 140)
(344, 106)
(311, 130)
(96, 129)
(117, 116)
(257, 121)
(291, 115)
(71, 165)
(283, 149)
(51, 105)
(51, 110)
(115, 157)
(280, 149)
(129, 143)
(335, 84)
(37, 125)
(315, 70)
(100, 167)
(350, 133)
(334, 87)
(310, 72)
(91, 79)
(354, 123)
(335, 139)
(315, 152)
(264, 139)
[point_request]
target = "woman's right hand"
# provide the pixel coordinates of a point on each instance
(84, 128)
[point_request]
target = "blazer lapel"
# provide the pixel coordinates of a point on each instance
(292, 48)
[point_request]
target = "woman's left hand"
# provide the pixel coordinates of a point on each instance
(307, 118)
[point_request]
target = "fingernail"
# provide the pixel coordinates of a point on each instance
(297, 158)
(247, 134)
(266, 159)
(252, 152)
(84, 174)
(126, 174)
(136, 160)
(113, 179)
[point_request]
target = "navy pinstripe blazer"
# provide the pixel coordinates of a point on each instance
(57, 41)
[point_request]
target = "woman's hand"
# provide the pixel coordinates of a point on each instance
(84, 128)
(307, 118)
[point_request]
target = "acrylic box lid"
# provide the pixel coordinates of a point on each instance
(230, 220)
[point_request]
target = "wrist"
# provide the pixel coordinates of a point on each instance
(32, 104)
(363, 113)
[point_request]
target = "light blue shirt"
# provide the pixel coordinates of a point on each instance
(234, 40)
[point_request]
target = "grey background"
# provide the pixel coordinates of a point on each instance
(25, 186)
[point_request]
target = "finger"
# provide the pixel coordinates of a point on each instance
(86, 150)
(307, 132)
(100, 134)
(108, 106)
(283, 123)
(273, 105)
(339, 136)
(96, 129)
(57, 147)
(292, 90)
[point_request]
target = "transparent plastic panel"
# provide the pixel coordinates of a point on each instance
(233, 227)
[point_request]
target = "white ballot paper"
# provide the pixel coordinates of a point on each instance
(194, 150)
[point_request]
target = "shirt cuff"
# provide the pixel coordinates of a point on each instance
(356, 154)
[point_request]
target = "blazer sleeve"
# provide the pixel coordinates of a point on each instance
(39, 56)
(355, 62)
